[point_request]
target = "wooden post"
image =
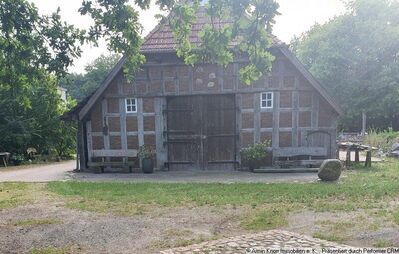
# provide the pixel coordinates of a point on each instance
(161, 152)
(78, 149)
(82, 146)
(295, 114)
(357, 155)
(368, 159)
(122, 120)
(348, 157)
(315, 110)
(105, 125)
(89, 141)
(238, 128)
(256, 98)
(140, 123)
(276, 120)
(364, 122)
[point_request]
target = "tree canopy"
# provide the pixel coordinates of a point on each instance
(34, 51)
(356, 57)
(118, 22)
(251, 19)
(81, 85)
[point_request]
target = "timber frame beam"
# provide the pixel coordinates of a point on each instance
(284, 50)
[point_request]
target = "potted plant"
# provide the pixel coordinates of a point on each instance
(17, 159)
(146, 154)
(257, 155)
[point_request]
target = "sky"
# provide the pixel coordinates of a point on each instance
(297, 16)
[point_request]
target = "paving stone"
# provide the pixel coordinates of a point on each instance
(273, 239)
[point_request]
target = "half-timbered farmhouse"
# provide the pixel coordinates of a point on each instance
(200, 117)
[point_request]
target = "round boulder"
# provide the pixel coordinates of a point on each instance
(330, 170)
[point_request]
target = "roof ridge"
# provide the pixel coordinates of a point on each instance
(153, 31)
(161, 38)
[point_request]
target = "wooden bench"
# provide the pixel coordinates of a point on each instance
(288, 156)
(106, 159)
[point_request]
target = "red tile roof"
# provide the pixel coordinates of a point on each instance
(161, 39)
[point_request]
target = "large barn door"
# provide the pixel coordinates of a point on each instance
(201, 132)
(183, 132)
(219, 130)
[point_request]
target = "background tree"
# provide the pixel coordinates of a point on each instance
(81, 85)
(34, 51)
(355, 56)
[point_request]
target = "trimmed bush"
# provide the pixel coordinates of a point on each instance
(330, 170)
(257, 155)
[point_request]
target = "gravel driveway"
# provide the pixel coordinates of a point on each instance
(38, 173)
(199, 177)
(63, 171)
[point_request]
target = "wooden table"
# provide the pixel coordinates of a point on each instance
(349, 146)
(4, 156)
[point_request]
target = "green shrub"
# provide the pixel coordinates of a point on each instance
(17, 157)
(256, 155)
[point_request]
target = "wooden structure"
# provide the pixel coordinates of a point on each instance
(200, 117)
(299, 156)
(4, 158)
(356, 147)
(128, 159)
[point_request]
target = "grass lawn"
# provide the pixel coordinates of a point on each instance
(361, 188)
(368, 196)
(269, 204)
(370, 190)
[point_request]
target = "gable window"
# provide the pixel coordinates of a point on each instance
(266, 100)
(131, 105)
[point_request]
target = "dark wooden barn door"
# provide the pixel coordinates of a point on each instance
(201, 132)
(219, 128)
(183, 132)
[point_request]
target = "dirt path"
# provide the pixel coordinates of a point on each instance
(198, 176)
(45, 173)
(49, 224)
(41, 221)
(63, 171)
(41, 225)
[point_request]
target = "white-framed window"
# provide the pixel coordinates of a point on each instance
(131, 105)
(266, 100)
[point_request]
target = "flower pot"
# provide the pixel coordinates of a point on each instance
(254, 164)
(147, 165)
